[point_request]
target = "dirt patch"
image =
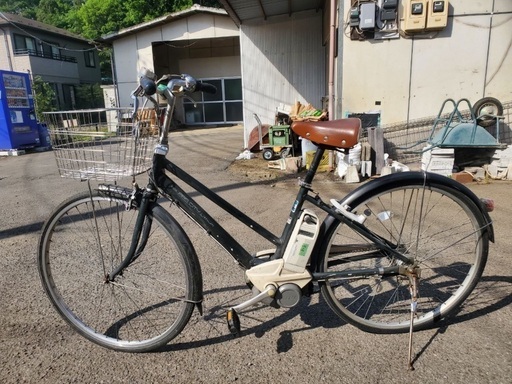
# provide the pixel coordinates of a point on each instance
(257, 170)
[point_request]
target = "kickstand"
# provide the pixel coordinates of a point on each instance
(414, 302)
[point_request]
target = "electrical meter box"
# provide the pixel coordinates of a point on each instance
(437, 14)
(413, 15)
(354, 17)
(18, 124)
(367, 16)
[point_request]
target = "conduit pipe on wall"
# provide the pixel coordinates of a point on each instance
(332, 42)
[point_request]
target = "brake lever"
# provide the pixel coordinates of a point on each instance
(190, 99)
(135, 104)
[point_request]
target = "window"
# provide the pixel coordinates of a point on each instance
(24, 45)
(68, 96)
(233, 97)
(225, 106)
(90, 59)
(50, 50)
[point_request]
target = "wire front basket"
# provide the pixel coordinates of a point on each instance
(101, 144)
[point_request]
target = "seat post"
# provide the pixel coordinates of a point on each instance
(317, 159)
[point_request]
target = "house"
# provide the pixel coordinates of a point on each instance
(200, 41)
(60, 58)
(395, 59)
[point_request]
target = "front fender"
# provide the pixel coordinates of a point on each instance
(187, 248)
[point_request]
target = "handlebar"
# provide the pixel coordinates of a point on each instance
(170, 87)
(148, 85)
(206, 87)
(175, 84)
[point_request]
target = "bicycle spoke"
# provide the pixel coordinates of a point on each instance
(436, 228)
(147, 304)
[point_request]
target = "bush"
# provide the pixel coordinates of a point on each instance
(44, 96)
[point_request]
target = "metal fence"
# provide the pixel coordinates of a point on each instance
(405, 141)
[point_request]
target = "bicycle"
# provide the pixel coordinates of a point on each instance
(396, 255)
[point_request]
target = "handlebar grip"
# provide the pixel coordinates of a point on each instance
(205, 87)
(148, 85)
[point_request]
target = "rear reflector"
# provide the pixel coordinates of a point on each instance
(488, 204)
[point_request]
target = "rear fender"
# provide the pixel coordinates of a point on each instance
(397, 180)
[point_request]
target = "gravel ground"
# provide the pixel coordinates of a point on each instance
(301, 345)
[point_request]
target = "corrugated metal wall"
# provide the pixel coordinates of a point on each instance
(283, 61)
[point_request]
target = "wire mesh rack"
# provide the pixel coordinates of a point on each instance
(101, 144)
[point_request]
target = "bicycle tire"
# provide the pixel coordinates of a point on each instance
(148, 303)
(437, 225)
(489, 106)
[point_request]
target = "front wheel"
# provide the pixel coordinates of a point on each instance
(439, 229)
(148, 303)
(268, 154)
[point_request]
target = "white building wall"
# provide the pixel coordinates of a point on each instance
(211, 67)
(125, 59)
(283, 61)
(411, 77)
(6, 56)
(144, 42)
(499, 71)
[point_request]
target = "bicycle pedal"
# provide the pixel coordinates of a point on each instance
(233, 322)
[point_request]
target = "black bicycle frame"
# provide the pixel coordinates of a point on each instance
(169, 189)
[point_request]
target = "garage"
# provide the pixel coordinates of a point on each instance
(201, 41)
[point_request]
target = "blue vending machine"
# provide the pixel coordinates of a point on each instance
(18, 123)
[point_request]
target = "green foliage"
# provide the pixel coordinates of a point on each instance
(100, 17)
(44, 96)
(209, 3)
(54, 12)
(105, 56)
(89, 96)
(25, 8)
(94, 18)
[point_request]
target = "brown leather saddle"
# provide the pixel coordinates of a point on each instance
(342, 133)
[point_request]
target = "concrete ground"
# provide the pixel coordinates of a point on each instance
(304, 344)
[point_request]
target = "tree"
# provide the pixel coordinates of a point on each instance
(89, 96)
(208, 3)
(25, 8)
(54, 12)
(44, 96)
(95, 18)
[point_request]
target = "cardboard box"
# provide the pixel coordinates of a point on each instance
(462, 177)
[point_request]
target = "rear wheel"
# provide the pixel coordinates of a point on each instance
(148, 303)
(437, 227)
